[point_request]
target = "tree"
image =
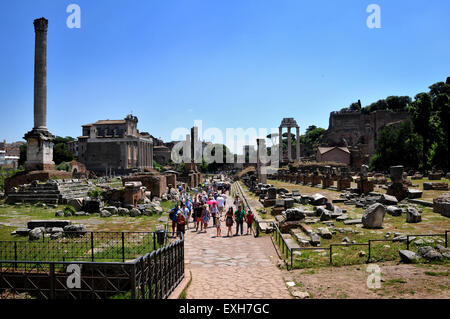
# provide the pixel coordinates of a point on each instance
(60, 150)
(397, 144)
(441, 124)
(313, 136)
(398, 103)
(23, 154)
(420, 111)
(356, 106)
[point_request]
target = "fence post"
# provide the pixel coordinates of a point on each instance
(331, 254)
(52, 281)
(123, 246)
(15, 254)
(368, 258)
(446, 238)
(92, 246)
(407, 242)
(154, 240)
(292, 264)
(133, 280)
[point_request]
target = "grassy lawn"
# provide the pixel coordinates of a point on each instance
(13, 217)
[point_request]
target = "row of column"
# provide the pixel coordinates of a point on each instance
(138, 155)
(289, 147)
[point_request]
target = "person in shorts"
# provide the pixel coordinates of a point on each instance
(249, 218)
(229, 221)
(181, 223)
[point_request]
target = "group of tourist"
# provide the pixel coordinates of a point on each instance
(209, 202)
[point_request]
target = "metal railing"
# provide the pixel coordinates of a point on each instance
(152, 276)
(286, 252)
(93, 246)
(237, 189)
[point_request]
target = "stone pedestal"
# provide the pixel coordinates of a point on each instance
(39, 150)
(307, 179)
(397, 188)
(327, 181)
(365, 186)
(317, 179)
(343, 184)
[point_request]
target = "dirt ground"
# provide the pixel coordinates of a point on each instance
(397, 281)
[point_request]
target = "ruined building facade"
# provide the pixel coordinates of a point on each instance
(359, 131)
(115, 146)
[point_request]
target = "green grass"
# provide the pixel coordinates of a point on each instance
(184, 292)
(437, 274)
(380, 251)
(396, 281)
(71, 249)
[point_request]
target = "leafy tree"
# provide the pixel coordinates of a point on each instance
(23, 154)
(397, 145)
(356, 106)
(63, 166)
(398, 103)
(420, 111)
(423, 141)
(60, 150)
(158, 166)
(313, 136)
(441, 126)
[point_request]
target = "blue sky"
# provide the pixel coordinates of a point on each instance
(230, 63)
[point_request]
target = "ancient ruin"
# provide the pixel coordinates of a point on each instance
(115, 146)
(289, 123)
(39, 164)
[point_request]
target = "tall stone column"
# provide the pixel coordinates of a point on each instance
(280, 138)
(297, 153)
(40, 74)
(289, 144)
(261, 152)
(39, 139)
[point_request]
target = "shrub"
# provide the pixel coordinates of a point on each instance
(95, 193)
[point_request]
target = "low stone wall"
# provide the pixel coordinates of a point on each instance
(28, 177)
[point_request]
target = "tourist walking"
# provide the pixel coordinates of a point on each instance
(218, 225)
(249, 218)
(214, 212)
(220, 203)
(173, 217)
(205, 217)
(181, 223)
(186, 213)
(198, 212)
(237, 202)
(229, 221)
(239, 216)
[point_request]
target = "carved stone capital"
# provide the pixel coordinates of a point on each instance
(41, 25)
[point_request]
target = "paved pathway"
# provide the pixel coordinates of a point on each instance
(232, 267)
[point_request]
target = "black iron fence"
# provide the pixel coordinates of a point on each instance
(287, 252)
(152, 276)
(89, 246)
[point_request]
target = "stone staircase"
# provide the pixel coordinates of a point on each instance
(51, 192)
(74, 189)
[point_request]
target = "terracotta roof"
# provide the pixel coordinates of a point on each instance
(110, 122)
(323, 150)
